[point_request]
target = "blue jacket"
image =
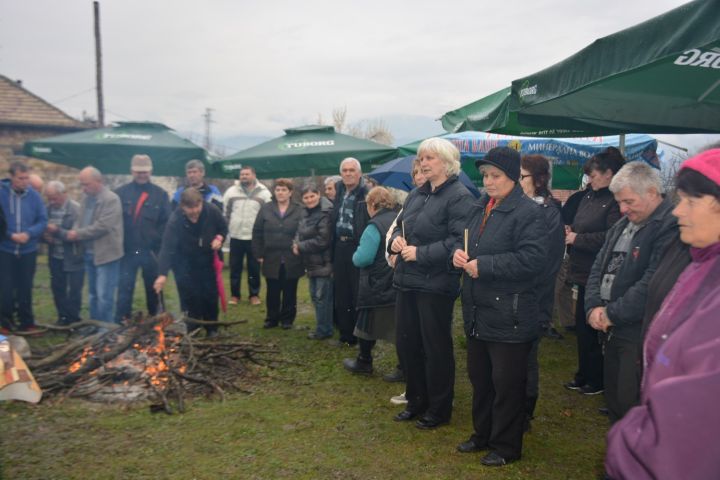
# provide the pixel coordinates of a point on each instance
(24, 212)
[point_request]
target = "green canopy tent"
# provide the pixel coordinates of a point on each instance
(660, 76)
(306, 151)
(111, 149)
(493, 114)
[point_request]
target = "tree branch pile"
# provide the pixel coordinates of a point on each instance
(148, 359)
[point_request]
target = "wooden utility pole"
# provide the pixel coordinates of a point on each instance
(98, 66)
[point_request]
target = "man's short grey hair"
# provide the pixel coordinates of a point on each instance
(639, 177)
(445, 150)
(352, 160)
(56, 186)
(334, 179)
(195, 164)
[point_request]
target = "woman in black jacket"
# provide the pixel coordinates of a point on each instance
(273, 232)
(597, 212)
(193, 235)
(506, 253)
(312, 243)
(535, 180)
(431, 223)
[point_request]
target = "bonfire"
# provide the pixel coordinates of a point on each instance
(151, 359)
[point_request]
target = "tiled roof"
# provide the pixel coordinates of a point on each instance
(21, 107)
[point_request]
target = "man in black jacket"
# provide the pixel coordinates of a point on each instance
(146, 209)
(616, 290)
(348, 220)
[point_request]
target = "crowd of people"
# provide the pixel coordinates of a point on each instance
(646, 271)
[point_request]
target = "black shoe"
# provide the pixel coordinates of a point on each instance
(405, 416)
(358, 366)
(494, 459)
(286, 326)
(604, 411)
(395, 377)
(429, 422)
(573, 385)
(590, 390)
(212, 334)
(269, 324)
(469, 446)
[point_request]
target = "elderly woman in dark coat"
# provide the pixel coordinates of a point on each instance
(312, 243)
(273, 232)
(506, 252)
(431, 223)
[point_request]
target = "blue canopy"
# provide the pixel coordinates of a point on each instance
(397, 174)
(567, 155)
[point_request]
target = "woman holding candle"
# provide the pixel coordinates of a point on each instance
(431, 223)
(507, 252)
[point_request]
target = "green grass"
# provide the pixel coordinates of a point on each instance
(307, 419)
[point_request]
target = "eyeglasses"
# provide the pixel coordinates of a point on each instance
(523, 177)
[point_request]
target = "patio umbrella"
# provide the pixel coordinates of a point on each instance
(111, 149)
(660, 76)
(397, 174)
(306, 151)
(493, 114)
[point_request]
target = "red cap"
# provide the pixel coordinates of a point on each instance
(706, 163)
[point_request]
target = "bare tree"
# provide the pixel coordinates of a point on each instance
(339, 115)
(375, 130)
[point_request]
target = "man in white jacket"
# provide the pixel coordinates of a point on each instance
(242, 203)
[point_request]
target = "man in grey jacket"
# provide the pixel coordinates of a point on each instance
(65, 259)
(100, 227)
(618, 283)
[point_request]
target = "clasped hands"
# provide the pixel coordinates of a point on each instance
(462, 260)
(599, 320)
(407, 252)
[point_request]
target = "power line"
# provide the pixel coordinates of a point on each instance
(74, 95)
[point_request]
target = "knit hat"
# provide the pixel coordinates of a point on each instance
(504, 158)
(141, 163)
(706, 163)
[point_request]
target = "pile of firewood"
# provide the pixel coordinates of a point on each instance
(147, 359)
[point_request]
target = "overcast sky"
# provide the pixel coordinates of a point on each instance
(267, 65)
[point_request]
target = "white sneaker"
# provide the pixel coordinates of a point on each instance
(399, 399)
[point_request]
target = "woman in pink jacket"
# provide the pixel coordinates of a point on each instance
(674, 433)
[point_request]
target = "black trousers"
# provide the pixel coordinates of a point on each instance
(281, 299)
(424, 342)
(589, 350)
(345, 277)
(498, 374)
(532, 389)
(16, 283)
(67, 291)
(239, 250)
(199, 293)
(129, 265)
(623, 372)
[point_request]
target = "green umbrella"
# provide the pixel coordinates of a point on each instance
(661, 76)
(493, 114)
(111, 149)
(306, 151)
